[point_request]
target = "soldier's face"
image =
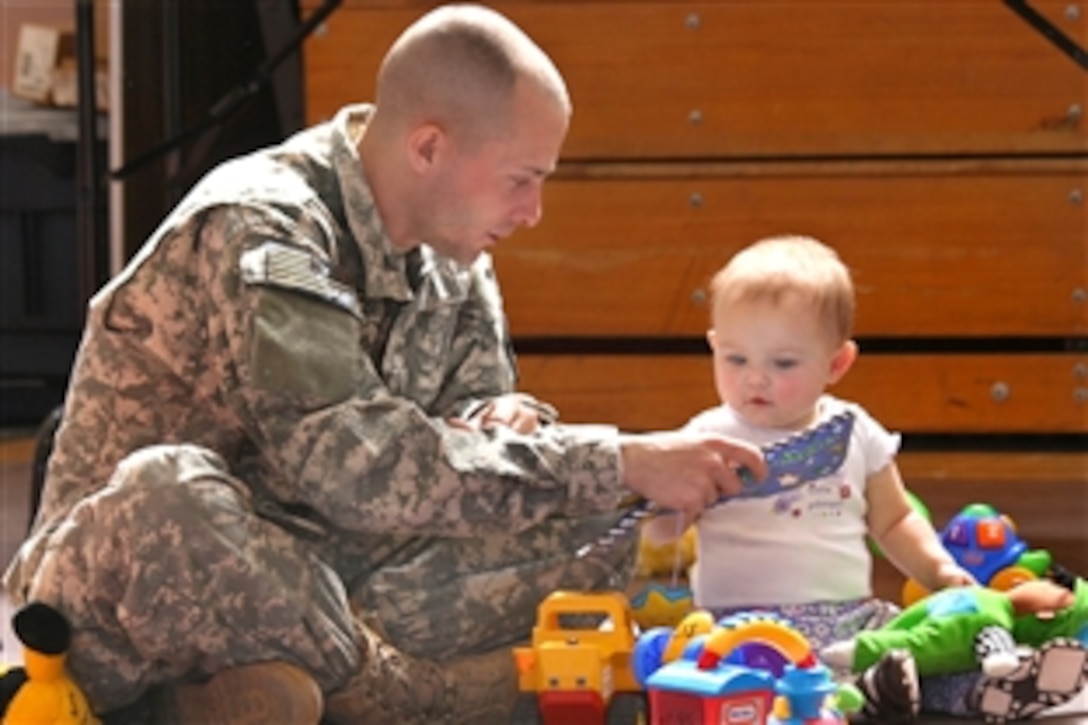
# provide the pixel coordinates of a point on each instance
(481, 194)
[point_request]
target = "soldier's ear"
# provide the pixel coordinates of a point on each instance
(426, 144)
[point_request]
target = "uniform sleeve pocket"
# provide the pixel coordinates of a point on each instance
(306, 325)
(304, 346)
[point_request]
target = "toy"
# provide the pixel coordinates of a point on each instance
(660, 605)
(985, 543)
(959, 629)
(802, 697)
(977, 628)
(749, 669)
(660, 645)
(574, 674)
(40, 691)
(665, 558)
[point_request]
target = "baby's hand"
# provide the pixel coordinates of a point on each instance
(951, 574)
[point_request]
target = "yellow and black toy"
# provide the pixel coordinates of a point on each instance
(40, 692)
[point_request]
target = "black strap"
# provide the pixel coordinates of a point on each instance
(1049, 31)
(235, 98)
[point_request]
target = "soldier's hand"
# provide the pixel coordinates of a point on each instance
(518, 411)
(686, 471)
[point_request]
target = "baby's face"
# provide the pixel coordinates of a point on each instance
(773, 361)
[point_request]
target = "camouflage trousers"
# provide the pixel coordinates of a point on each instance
(169, 573)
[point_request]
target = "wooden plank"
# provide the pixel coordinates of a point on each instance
(934, 252)
(16, 449)
(997, 468)
(770, 79)
(910, 393)
(1049, 514)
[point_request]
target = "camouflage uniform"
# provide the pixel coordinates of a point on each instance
(254, 443)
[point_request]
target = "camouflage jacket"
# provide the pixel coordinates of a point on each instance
(270, 320)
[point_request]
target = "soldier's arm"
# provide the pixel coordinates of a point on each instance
(314, 405)
(481, 364)
(481, 370)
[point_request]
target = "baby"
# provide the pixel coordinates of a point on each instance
(781, 321)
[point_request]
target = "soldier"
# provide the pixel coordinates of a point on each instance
(293, 478)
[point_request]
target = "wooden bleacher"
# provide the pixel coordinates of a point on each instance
(940, 147)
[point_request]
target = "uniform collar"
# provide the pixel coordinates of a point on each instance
(387, 270)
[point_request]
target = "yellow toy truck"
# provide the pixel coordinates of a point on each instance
(577, 670)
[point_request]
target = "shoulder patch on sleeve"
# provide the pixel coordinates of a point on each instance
(280, 265)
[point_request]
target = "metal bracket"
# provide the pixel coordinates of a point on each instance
(1049, 31)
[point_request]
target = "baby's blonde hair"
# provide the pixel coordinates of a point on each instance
(775, 267)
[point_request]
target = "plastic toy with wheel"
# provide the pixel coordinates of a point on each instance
(985, 543)
(578, 667)
(749, 669)
(659, 646)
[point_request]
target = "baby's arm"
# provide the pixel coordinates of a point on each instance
(906, 537)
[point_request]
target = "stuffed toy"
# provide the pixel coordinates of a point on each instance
(971, 628)
(657, 603)
(1030, 643)
(665, 558)
(40, 691)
